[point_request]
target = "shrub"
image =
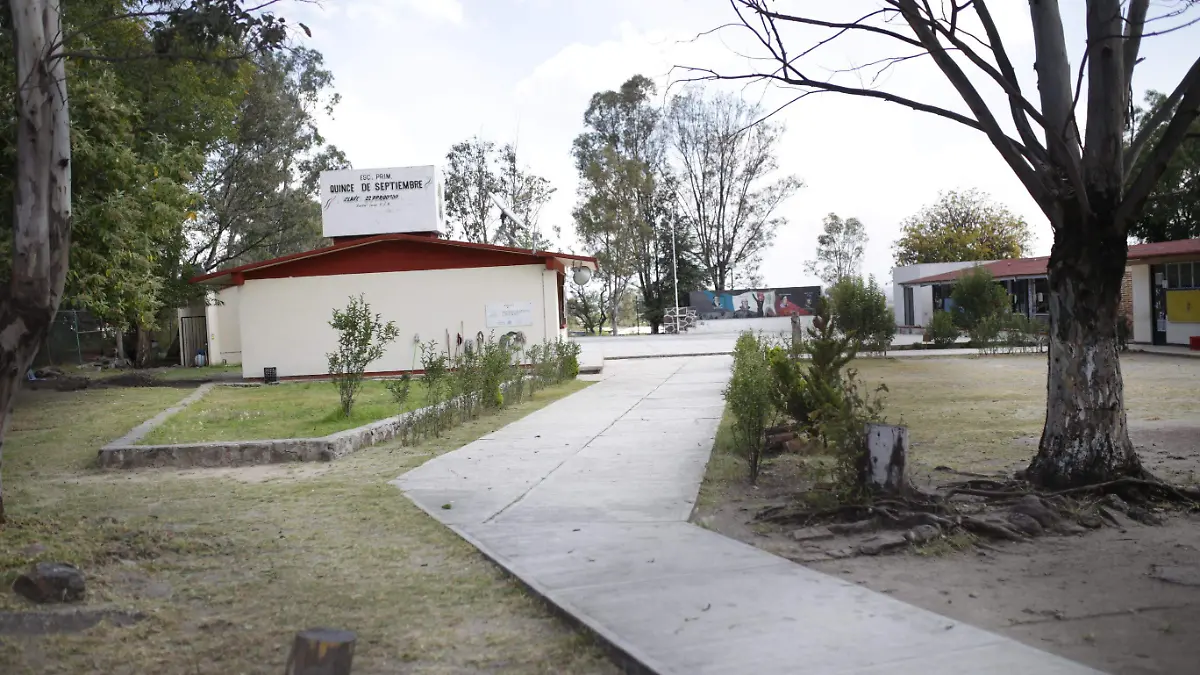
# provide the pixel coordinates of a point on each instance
(860, 309)
(399, 389)
(1020, 332)
(985, 335)
(976, 296)
(828, 354)
(941, 329)
(748, 395)
(362, 339)
(844, 428)
(787, 385)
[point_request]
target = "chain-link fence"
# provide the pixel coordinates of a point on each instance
(76, 337)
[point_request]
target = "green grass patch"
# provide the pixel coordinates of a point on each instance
(286, 410)
(227, 564)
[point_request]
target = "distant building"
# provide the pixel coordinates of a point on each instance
(1160, 295)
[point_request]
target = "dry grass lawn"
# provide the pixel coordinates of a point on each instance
(985, 414)
(287, 410)
(226, 564)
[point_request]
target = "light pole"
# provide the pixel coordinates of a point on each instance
(675, 276)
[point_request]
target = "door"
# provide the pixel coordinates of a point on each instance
(1158, 303)
(909, 319)
(193, 336)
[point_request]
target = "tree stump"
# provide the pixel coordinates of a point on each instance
(321, 651)
(887, 451)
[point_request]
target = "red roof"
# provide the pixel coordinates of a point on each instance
(1036, 267)
(390, 253)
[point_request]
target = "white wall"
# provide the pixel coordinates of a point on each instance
(229, 333)
(1143, 311)
(922, 295)
(771, 325)
(285, 322)
(1181, 333)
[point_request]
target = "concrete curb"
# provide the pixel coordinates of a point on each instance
(124, 454)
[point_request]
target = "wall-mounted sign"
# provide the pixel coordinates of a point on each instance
(377, 201)
(509, 314)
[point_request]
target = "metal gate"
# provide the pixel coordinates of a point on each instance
(193, 337)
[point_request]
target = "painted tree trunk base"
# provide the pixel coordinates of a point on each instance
(321, 651)
(887, 454)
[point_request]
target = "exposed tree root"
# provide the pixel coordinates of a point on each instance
(1008, 511)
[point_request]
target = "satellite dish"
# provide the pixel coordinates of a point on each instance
(582, 275)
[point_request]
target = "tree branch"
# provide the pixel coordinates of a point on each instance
(1176, 131)
(1135, 23)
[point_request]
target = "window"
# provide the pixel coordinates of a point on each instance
(1183, 275)
(1041, 296)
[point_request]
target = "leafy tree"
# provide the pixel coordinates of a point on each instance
(259, 188)
(476, 172)
(676, 260)
(724, 162)
(362, 339)
(589, 306)
(978, 297)
(860, 310)
(839, 250)
(625, 196)
(1172, 210)
(42, 152)
(829, 351)
(962, 226)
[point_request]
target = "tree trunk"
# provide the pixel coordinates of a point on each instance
(1085, 439)
(142, 358)
(41, 196)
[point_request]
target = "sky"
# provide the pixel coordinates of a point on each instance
(416, 76)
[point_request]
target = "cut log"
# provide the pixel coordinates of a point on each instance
(887, 451)
(321, 651)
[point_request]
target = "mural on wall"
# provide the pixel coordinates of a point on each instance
(755, 302)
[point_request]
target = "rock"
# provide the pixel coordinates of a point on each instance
(1144, 516)
(797, 446)
(817, 533)
(1025, 524)
(1034, 507)
(51, 582)
(882, 543)
(1090, 521)
(1115, 503)
(858, 527)
(923, 533)
(1115, 517)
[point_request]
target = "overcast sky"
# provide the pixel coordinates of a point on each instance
(416, 76)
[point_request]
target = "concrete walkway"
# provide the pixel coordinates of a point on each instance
(587, 500)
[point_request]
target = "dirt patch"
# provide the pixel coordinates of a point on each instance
(70, 621)
(1123, 597)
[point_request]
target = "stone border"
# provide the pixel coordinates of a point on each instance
(124, 454)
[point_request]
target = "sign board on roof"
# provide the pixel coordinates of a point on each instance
(358, 202)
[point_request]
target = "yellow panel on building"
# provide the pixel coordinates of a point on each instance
(1183, 306)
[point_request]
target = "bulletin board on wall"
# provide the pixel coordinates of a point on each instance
(1183, 306)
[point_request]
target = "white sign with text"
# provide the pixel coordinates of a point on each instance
(509, 314)
(356, 202)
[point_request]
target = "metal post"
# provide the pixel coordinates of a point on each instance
(675, 275)
(78, 348)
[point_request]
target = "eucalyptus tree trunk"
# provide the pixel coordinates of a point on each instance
(42, 196)
(1085, 439)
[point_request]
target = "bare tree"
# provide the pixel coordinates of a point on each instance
(1084, 183)
(477, 172)
(723, 161)
(839, 250)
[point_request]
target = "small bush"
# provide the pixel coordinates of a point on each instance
(985, 334)
(859, 309)
(399, 389)
(976, 297)
(844, 428)
(749, 396)
(362, 339)
(941, 330)
(1124, 333)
